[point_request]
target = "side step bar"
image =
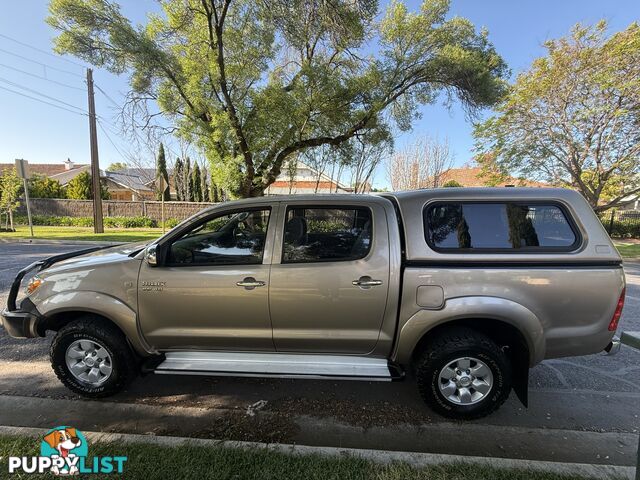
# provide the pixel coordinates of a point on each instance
(283, 365)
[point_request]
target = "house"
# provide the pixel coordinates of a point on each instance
(305, 179)
(48, 169)
(127, 184)
(473, 177)
(123, 185)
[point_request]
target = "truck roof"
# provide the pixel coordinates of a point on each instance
(485, 192)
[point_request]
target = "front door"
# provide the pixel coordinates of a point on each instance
(328, 292)
(211, 292)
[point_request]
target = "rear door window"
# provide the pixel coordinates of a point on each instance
(326, 234)
(506, 226)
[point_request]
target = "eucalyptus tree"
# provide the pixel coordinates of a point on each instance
(256, 82)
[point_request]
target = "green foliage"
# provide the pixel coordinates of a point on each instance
(177, 179)
(161, 172)
(187, 181)
(204, 185)
(572, 119)
(196, 184)
(10, 188)
(452, 183)
(171, 222)
(80, 188)
(117, 166)
(109, 222)
(254, 83)
(44, 187)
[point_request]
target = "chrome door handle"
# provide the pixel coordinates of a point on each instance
(366, 282)
(250, 283)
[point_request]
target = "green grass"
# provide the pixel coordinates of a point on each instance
(85, 233)
(628, 250)
(195, 462)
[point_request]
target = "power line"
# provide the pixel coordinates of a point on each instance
(40, 77)
(107, 96)
(43, 101)
(41, 50)
(45, 65)
(17, 85)
(123, 156)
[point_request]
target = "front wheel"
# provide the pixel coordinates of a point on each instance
(463, 374)
(92, 357)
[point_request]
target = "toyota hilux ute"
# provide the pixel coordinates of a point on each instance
(464, 289)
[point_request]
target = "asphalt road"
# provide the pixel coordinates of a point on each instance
(591, 394)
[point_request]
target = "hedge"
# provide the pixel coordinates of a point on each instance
(109, 222)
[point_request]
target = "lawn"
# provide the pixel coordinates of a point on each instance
(628, 250)
(85, 233)
(194, 462)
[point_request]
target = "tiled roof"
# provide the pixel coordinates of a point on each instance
(146, 174)
(46, 169)
(133, 182)
(472, 177)
(66, 176)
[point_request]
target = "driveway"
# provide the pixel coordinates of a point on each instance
(582, 409)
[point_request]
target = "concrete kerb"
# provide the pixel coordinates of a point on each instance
(377, 456)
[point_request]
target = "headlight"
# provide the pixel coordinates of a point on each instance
(33, 284)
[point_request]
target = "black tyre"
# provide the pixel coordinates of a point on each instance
(463, 374)
(92, 357)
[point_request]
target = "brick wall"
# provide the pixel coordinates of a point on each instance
(112, 208)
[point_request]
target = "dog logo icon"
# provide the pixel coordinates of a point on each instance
(66, 444)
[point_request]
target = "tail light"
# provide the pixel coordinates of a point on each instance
(613, 324)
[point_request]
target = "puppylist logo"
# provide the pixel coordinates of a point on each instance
(64, 451)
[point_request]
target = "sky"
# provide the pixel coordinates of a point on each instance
(42, 133)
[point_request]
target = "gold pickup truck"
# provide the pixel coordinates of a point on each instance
(464, 289)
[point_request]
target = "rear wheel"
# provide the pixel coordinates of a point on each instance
(92, 357)
(463, 374)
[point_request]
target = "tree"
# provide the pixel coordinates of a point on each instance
(177, 179)
(254, 83)
(205, 185)
(196, 183)
(117, 166)
(187, 180)
(365, 159)
(10, 187)
(421, 165)
(573, 118)
(41, 186)
(161, 173)
(81, 188)
(452, 184)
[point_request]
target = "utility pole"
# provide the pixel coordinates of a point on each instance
(95, 165)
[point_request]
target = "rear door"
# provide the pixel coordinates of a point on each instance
(330, 277)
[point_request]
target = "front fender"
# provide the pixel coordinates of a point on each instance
(101, 304)
(472, 307)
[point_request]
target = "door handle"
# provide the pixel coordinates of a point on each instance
(250, 283)
(366, 282)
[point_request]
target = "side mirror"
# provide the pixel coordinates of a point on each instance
(150, 256)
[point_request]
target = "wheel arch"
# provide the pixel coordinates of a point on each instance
(62, 308)
(493, 316)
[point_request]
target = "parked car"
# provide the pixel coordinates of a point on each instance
(466, 289)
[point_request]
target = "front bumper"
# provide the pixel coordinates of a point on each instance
(20, 324)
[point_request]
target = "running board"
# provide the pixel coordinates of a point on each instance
(283, 365)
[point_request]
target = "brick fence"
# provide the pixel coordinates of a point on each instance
(112, 208)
